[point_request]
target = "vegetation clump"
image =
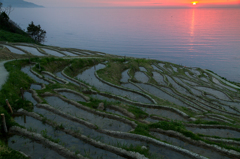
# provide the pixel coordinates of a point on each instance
(36, 32)
(11, 32)
(171, 115)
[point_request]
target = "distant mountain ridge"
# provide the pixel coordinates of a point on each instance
(19, 3)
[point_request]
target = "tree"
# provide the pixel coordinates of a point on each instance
(3, 14)
(7, 10)
(36, 32)
(1, 7)
(4, 17)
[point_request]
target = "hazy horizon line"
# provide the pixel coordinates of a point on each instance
(156, 7)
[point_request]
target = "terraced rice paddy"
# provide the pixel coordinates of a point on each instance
(125, 76)
(130, 86)
(72, 96)
(32, 148)
(159, 78)
(69, 53)
(24, 48)
(27, 70)
(52, 52)
(14, 50)
(36, 86)
(31, 50)
(141, 77)
(104, 107)
(197, 149)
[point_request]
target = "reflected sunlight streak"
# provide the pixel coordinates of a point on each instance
(192, 29)
(193, 23)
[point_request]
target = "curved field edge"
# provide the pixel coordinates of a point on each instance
(17, 79)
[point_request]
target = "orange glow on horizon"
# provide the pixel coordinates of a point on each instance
(137, 3)
(194, 3)
(171, 2)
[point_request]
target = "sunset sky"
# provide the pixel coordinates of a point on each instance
(131, 3)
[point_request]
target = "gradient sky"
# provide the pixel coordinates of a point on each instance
(131, 3)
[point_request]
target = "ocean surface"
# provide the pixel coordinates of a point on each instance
(207, 38)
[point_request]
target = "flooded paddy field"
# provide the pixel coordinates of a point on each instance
(68, 141)
(116, 113)
(14, 50)
(32, 148)
(130, 86)
(52, 78)
(104, 98)
(89, 76)
(159, 78)
(125, 76)
(194, 148)
(164, 113)
(224, 133)
(59, 74)
(161, 94)
(52, 52)
(140, 76)
(36, 86)
(72, 96)
(31, 50)
(100, 121)
(69, 53)
(27, 69)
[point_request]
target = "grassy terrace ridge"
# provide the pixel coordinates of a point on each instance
(112, 73)
(12, 34)
(14, 37)
(11, 91)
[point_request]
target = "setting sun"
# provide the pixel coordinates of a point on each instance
(194, 3)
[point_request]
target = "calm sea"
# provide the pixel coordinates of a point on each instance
(206, 38)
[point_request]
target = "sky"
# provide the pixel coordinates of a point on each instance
(131, 3)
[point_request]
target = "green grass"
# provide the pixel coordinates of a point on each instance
(93, 103)
(139, 113)
(11, 89)
(113, 71)
(175, 126)
(14, 37)
(7, 153)
(79, 65)
(12, 33)
(50, 88)
(208, 122)
(142, 129)
(9, 121)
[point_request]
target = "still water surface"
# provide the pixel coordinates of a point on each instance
(206, 38)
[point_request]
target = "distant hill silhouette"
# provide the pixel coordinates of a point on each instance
(19, 3)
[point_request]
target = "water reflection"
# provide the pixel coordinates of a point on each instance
(193, 23)
(207, 37)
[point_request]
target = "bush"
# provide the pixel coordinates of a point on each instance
(36, 32)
